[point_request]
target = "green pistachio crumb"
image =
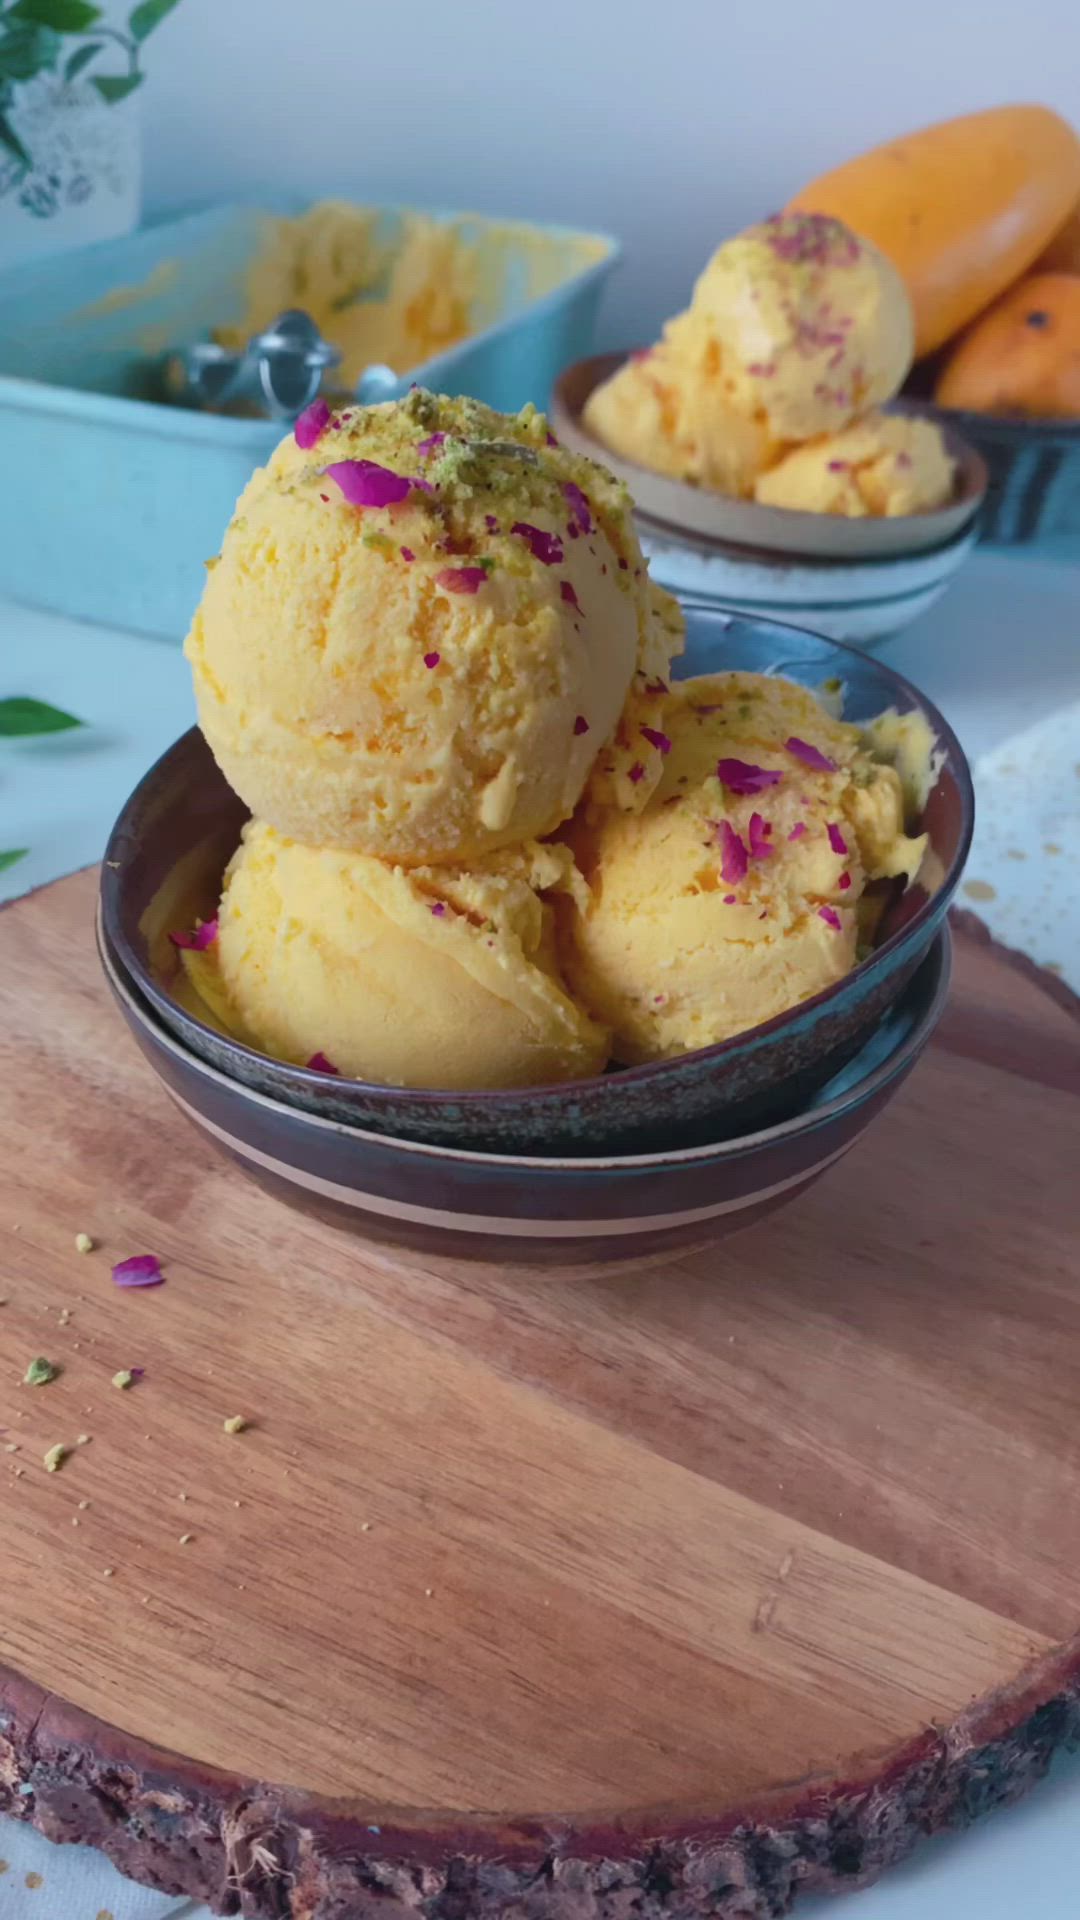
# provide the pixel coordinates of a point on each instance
(83, 1243)
(39, 1373)
(236, 1423)
(55, 1457)
(125, 1378)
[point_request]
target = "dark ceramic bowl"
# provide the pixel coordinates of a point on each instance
(526, 1209)
(1033, 468)
(163, 867)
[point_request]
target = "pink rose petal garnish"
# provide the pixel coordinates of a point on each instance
(461, 579)
(142, 1270)
(365, 484)
(636, 773)
(836, 839)
(550, 439)
(830, 917)
(407, 553)
(198, 941)
(439, 909)
(758, 836)
(545, 547)
(312, 424)
(734, 859)
(810, 756)
(656, 688)
(491, 523)
(837, 466)
(844, 882)
(422, 485)
(567, 593)
(432, 659)
(428, 446)
(581, 725)
(656, 739)
(320, 1064)
(797, 830)
(579, 507)
(623, 566)
(730, 899)
(742, 776)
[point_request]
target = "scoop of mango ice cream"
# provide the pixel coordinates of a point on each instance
(427, 977)
(809, 324)
(668, 410)
(735, 893)
(884, 465)
(426, 621)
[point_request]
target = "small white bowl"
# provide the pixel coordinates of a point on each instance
(862, 602)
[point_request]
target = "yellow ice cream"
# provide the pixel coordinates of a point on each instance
(811, 325)
(884, 465)
(433, 977)
(735, 893)
(424, 625)
(667, 409)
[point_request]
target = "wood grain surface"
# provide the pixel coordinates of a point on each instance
(499, 1543)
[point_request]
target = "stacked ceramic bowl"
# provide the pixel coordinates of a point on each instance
(858, 580)
(611, 1168)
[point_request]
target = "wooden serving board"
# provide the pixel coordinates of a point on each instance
(670, 1593)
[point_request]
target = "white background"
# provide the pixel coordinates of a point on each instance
(666, 122)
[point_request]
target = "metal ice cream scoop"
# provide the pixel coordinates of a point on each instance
(277, 373)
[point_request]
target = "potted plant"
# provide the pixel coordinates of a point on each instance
(69, 135)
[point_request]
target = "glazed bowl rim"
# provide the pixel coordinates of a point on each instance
(939, 952)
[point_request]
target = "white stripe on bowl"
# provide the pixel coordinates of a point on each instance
(495, 1223)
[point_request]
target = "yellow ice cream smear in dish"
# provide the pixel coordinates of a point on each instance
(884, 465)
(433, 977)
(426, 627)
(395, 303)
(734, 895)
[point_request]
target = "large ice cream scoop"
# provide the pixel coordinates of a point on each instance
(735, 894)
(809, 324)
(435, 977)
(425, 623)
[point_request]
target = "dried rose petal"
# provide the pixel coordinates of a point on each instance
(407, 553)
(837, 466)
(198, 941)
(428, 446)
(550, 439)
(797, 830)
(312, 424)
(581, 725)
(320, 1064)
(734, 859)
(758, 836)
(567, 593)
(836, 839)
(432, 659)
(422, 485)
(810, 756)
(830, 917)
(636, 773)
(142, 1270)
(844, 882)
(730, 899)
(461, 579)
(365, 484)
(742, 776)
(656, 739)
(491, 523)
(439, 909)
(545, 547)
(579, 507)
(656, 688)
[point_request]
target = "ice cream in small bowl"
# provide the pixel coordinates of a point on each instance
(765, 414)
(454, 858)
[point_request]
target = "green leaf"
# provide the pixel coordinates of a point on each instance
(10, 139)
(113, 87)
(26, 49)
(8, 859)
(64, 16)
(81, 58)
(21, 716)
(149, 14)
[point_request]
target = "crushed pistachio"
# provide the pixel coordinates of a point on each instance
(83, 1243)
(186, 1539)
(84, 1439)
(55, 1457)
(107, 1572)
(124, 1379)
(236, 1423)
(39, 1373)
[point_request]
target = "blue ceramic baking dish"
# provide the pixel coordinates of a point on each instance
(110, 501)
